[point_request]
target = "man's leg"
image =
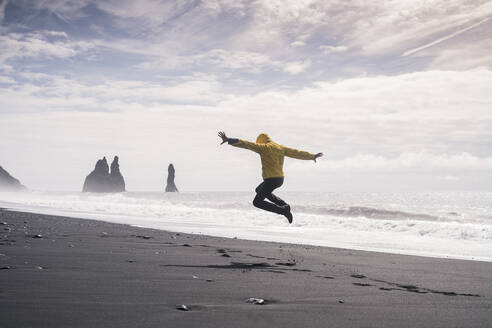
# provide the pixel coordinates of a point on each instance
(264, 190)
(276, 200)
(280, 202)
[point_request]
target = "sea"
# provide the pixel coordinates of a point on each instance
(454, 225)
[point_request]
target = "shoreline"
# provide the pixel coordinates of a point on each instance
(125, 276)
(222, 232)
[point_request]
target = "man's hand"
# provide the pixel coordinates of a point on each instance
(318, 155)
(223, 136)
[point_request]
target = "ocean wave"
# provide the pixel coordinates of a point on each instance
(448, 229)
(201, 201)
(369, 213)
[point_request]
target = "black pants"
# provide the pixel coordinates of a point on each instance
(264, 190)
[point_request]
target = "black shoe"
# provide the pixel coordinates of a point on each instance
(287, 213)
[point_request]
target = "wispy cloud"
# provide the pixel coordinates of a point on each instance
(240, 34)
(411, 162)
(2, 9)
(332, 49)
(297, 67)
(47, 92)
(41, 45)
(447, 37)
(464, 56)
(218, 60)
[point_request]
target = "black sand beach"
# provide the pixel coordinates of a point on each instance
(65, 272)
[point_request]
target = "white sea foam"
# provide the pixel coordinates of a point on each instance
(455, 225)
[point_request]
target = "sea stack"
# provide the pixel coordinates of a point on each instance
(8, 182)
(102, 180)
(116, 177)
(171, 186)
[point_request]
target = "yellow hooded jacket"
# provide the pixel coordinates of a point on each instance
(272, 154)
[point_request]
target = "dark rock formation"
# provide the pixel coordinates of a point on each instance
(98, 179)
(101, 180)
(116, 177)
(171, 186)
(8, 182)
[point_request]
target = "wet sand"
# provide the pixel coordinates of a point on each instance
(65, 272)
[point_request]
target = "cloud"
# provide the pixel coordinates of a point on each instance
(298, 43)
(463, 56)
(437, 97)
(7, 80)
(383, 115)
(447, 37)
(410, 162)
(47, 92)
(39, 45)
(448, 178)
(332, 49)
(297, 67)
(221, 59)
(367, 32)
(68, 8)
(3, 4)
(433, 95)
(385, 124)
(250, 61)
(402, 24)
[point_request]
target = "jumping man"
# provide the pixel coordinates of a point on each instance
(272, 162)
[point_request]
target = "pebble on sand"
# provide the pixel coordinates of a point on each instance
(143, 237)
(257, 301)
(357, 275)
(183, 307)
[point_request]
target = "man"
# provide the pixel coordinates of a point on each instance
(272, 162)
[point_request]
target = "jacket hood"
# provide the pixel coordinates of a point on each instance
(263, 138)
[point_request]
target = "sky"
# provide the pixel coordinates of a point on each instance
(396, 94)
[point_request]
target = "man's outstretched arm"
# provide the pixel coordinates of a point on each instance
(299, 154)
(240, 143)
(224, 138)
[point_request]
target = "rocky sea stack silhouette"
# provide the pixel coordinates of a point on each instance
(8, 182)
(102, 180)
(171, 186)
